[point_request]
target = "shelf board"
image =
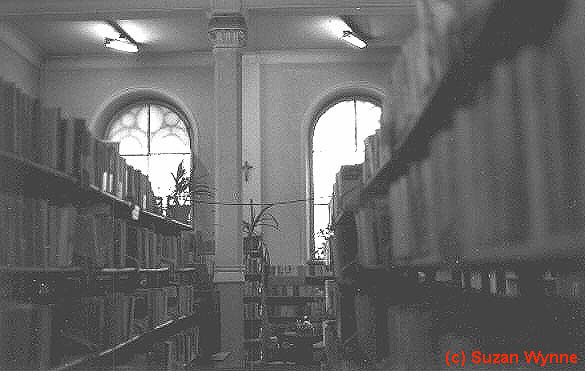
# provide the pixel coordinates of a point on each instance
(291, 319)
(144, 214)
(291, 299)
(126, 349)
(64, 270)
(251, 341)
(248, 299)
(502, 34)
(57, 185)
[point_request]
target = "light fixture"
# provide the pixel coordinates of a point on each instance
(106, 30)
(353, 39)
(121, 44)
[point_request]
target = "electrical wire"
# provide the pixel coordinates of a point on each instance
(287, 202)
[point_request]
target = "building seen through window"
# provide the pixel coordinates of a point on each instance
(338, 139)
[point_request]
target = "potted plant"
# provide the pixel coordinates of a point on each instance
(251, 226)
(177, 202)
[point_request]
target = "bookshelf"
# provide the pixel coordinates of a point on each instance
(256, 261)
(90, 273)
(472, 193)
(496, 34)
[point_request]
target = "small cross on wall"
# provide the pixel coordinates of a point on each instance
(246, 167)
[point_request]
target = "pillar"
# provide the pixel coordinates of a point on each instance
(227, 35)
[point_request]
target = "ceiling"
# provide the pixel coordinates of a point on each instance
(69, 27)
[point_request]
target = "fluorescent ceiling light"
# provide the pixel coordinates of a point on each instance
(138, 33)
(353, 39)
(337, 27)
(121, 44)
(106, 30)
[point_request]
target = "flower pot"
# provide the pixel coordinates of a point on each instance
(252, 244)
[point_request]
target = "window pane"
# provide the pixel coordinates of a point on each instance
(156, 117)
(168, 134)
(142, 118)
(138, 162)
(161, 167)
(167, 140)
(338, 139)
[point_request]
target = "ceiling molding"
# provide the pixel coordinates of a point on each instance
(195, 59)
(312, 56)
(21, 44)
(92, 10)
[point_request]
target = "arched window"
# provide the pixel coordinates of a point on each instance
(154, 138)
(338, 139)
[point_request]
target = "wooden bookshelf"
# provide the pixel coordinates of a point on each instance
(506, 28)
(138, 344)
(252, 299)
(290, 299)
(58, 186)
(146, 217)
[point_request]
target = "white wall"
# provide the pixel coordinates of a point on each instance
(82, 86)
(19, 60)
(291, 87)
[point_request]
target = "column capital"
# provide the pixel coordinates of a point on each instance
(227, 31)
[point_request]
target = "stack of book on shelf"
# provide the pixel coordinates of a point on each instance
(253, 288)
(254, 265)
(26, 331)
(375, 155)
(133, 279)
(300, 290)
(318, 270)
(41, 135)
(291, 311)
(253, 311)
(346, 190)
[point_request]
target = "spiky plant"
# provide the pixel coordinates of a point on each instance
(263, 219)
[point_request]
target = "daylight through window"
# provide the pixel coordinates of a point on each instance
(338, 139)
(154, 139)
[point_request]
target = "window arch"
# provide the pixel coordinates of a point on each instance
(154, 138)
(337, 139)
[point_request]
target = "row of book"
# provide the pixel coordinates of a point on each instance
(346, 190)
(253, 265)
(253, 329)
(376, 154)
(441, 36)
(29, 331)
(505, 172)
(39, 233)
(104, 321)
(290, 270)
(35, 233)
(26, 330)
(42, 135)
(175, 354)
(315, 309)
(443, 33)
(502, 174)
(318, 270)
(285, 310)
(253, 311)
(295, 290)
(253, 288)
(254, 352)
